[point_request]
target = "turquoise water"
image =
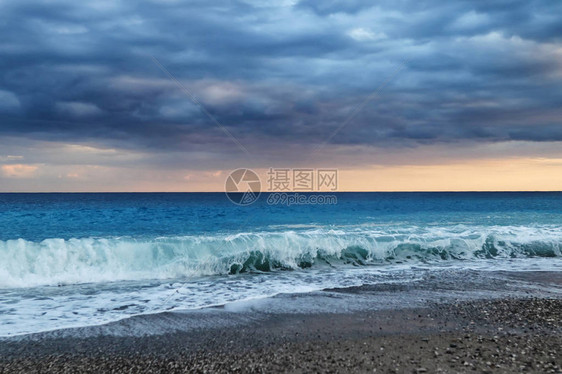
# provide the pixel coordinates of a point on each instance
(41, 216)
(82, 259)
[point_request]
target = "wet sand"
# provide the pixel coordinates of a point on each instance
(503, 335)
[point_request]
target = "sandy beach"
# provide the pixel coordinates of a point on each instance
(503, 334)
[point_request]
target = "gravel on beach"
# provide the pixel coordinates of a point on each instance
(483, 336)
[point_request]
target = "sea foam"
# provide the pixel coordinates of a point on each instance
(89, 260)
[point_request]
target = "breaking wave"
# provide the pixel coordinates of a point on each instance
(58, 261)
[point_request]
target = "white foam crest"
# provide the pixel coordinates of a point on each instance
(57, 261)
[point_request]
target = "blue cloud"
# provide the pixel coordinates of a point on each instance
(281, 74)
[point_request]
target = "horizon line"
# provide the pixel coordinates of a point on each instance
(287, 192)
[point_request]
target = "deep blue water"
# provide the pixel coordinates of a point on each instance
(41, 216)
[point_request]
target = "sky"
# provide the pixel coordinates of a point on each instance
(172, 95)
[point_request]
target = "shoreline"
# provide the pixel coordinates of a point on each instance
(508, 333)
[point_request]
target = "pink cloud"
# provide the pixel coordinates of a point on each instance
(18, 170)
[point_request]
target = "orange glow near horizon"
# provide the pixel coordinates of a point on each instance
(481, 175)
(530, 174)
(510, 174)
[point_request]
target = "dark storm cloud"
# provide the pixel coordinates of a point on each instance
(280, 72)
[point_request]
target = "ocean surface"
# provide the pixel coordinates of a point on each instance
(70, 260)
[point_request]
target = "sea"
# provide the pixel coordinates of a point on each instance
(74, 260)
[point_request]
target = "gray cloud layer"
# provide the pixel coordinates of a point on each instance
(280, 72)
